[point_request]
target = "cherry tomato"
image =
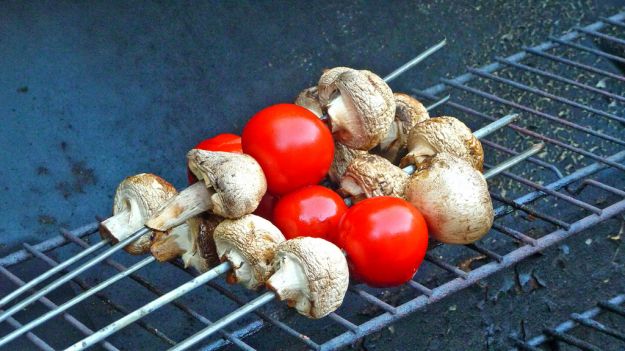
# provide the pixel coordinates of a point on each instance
(291, 144)
(266, 206)
(311, 211)
(385, 239)
(221, 142)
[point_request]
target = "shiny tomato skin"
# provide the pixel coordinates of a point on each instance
(385, 240)
(292, 145)
(313, 211)
(222, 142)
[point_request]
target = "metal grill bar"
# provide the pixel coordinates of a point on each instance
(85, 286)
(446, 266)
(553, 97)
(588, 49)
(515, 234)
(591, 323)
(613, 22)
(536, 161)
(529, 211)
(571, 340)
(601, 35)
(51, 305)
(42, 345)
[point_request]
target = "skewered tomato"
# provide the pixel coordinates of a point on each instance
(311, 211)
(221, 142)
(385, 239)
(291, 144)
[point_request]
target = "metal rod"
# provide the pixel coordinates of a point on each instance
(534, 160)
(16, 308)
(438, 103)
(79, 298)
(32, 337)
(613, 22)
(408, 65)
(571, 340)
(51, 305)
(591, 323)
(514, 160)
(223, 322)
(589, 49)
(51, 272)
(550, 96)
(604, 36)
(151, 307)
(107, 300)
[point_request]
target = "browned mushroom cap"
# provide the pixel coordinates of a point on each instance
(192, 241)
(360, 106)
(136, 199)
(408, 112)
(311, 275)
(309, 99)
(249, 244)
(453, 197)
(232, 186)
(372, 175)
(443, 134)
(342, 158)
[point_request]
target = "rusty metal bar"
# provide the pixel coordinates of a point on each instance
(373, 300)
(515, 234)
(529, 211)
(604, 36)
(591, 323)
(571, 340)
(446, 266)
(588, 49)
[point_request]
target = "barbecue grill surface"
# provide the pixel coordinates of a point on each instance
(86, 85)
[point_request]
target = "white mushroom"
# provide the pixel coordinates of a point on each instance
(191, 241)
(342, 158)
(309, 99)
(360, 106)
(311, 274)
(136, 199)
(408, 112)
(372, 175)
(249, 244)
(453, 197)
(443, 134)
(230, 185)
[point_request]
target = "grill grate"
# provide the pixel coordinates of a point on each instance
(590, 331)
(560, 88)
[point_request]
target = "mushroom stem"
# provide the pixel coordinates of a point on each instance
(290, 282)
(121, 225)
(188, 203)
(340, 111)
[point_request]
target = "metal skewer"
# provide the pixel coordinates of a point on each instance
(270, 295)
(55, 284)
(224, 267)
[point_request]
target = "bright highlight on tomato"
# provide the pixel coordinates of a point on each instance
(385, 240)
(311, 211)
(222, 142)
(292, 145)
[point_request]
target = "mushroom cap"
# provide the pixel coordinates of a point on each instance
(309, 99)
(373, 175)
(408, 112)
(360, 106)
(237, 180)
(453, 197)
(343, 155)
(249, 244)
(326, 272)
(443, 134)
(140, 196)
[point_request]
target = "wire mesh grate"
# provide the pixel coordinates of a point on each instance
(569, 93)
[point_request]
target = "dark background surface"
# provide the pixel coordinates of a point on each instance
(93, 92)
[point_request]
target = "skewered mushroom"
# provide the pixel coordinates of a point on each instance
(311, 274)
(342, 158)
(309, 98)
(443, 134)
(360, 106)
(408, 112)
(372, 175)
(231, 185)
(249, 244)
(453, 197)
(192, 241)
(136, 199)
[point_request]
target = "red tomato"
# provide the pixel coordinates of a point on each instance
(266, 206)
(311, 211)
(221, 142)
(291, 144)
(385, 239)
